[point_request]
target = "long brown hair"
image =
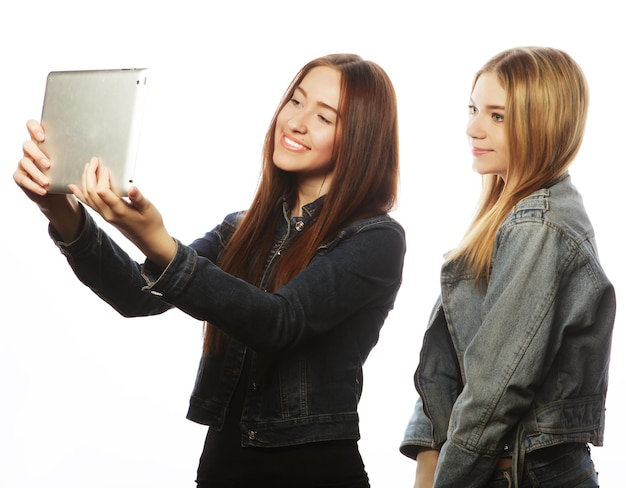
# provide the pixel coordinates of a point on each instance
(546, 110)
(365, 181)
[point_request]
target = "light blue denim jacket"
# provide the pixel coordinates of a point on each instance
(522, 363)
(317, 330)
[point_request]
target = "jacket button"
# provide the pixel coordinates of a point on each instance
(255, 387)
(299, 225)
(251, 435)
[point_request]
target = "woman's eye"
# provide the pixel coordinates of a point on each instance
(324, 119)
(498, 117)
(472, 109)
(295, 102)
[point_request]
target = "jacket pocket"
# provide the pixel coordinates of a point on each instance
(570, 416)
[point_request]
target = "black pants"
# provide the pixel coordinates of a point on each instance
(335, 464)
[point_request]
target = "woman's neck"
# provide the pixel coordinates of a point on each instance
(308, 193)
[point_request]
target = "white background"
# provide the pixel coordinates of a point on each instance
(88, 398)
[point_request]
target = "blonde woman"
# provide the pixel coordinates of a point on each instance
(512, 376)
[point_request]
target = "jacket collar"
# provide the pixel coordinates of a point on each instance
(309, 210)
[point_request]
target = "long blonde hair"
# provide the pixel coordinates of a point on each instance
(546, 110)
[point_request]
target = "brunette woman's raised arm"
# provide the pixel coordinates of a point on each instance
(63, 211)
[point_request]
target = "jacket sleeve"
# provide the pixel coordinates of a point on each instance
(360, 272)
(438, 373)
(112, 274)
(418, 433)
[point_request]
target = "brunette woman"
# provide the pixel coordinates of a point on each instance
(293, 291)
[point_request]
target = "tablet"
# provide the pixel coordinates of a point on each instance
(93, 113)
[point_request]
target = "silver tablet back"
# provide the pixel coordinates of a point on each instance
(93, 113)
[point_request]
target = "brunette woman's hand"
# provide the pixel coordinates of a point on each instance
(30, 174)
(136, 217)
(62, 211)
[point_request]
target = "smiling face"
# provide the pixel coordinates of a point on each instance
(306, 128)
(486, 129)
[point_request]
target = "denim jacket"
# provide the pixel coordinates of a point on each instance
(318, 329)
(520, 363)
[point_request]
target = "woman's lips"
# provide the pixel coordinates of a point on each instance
(476, 151)
(292, 144)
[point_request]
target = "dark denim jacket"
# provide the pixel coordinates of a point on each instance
(318, 329)
(523, 362)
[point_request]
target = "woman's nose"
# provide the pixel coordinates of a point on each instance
(297, 124)
(474, 129)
